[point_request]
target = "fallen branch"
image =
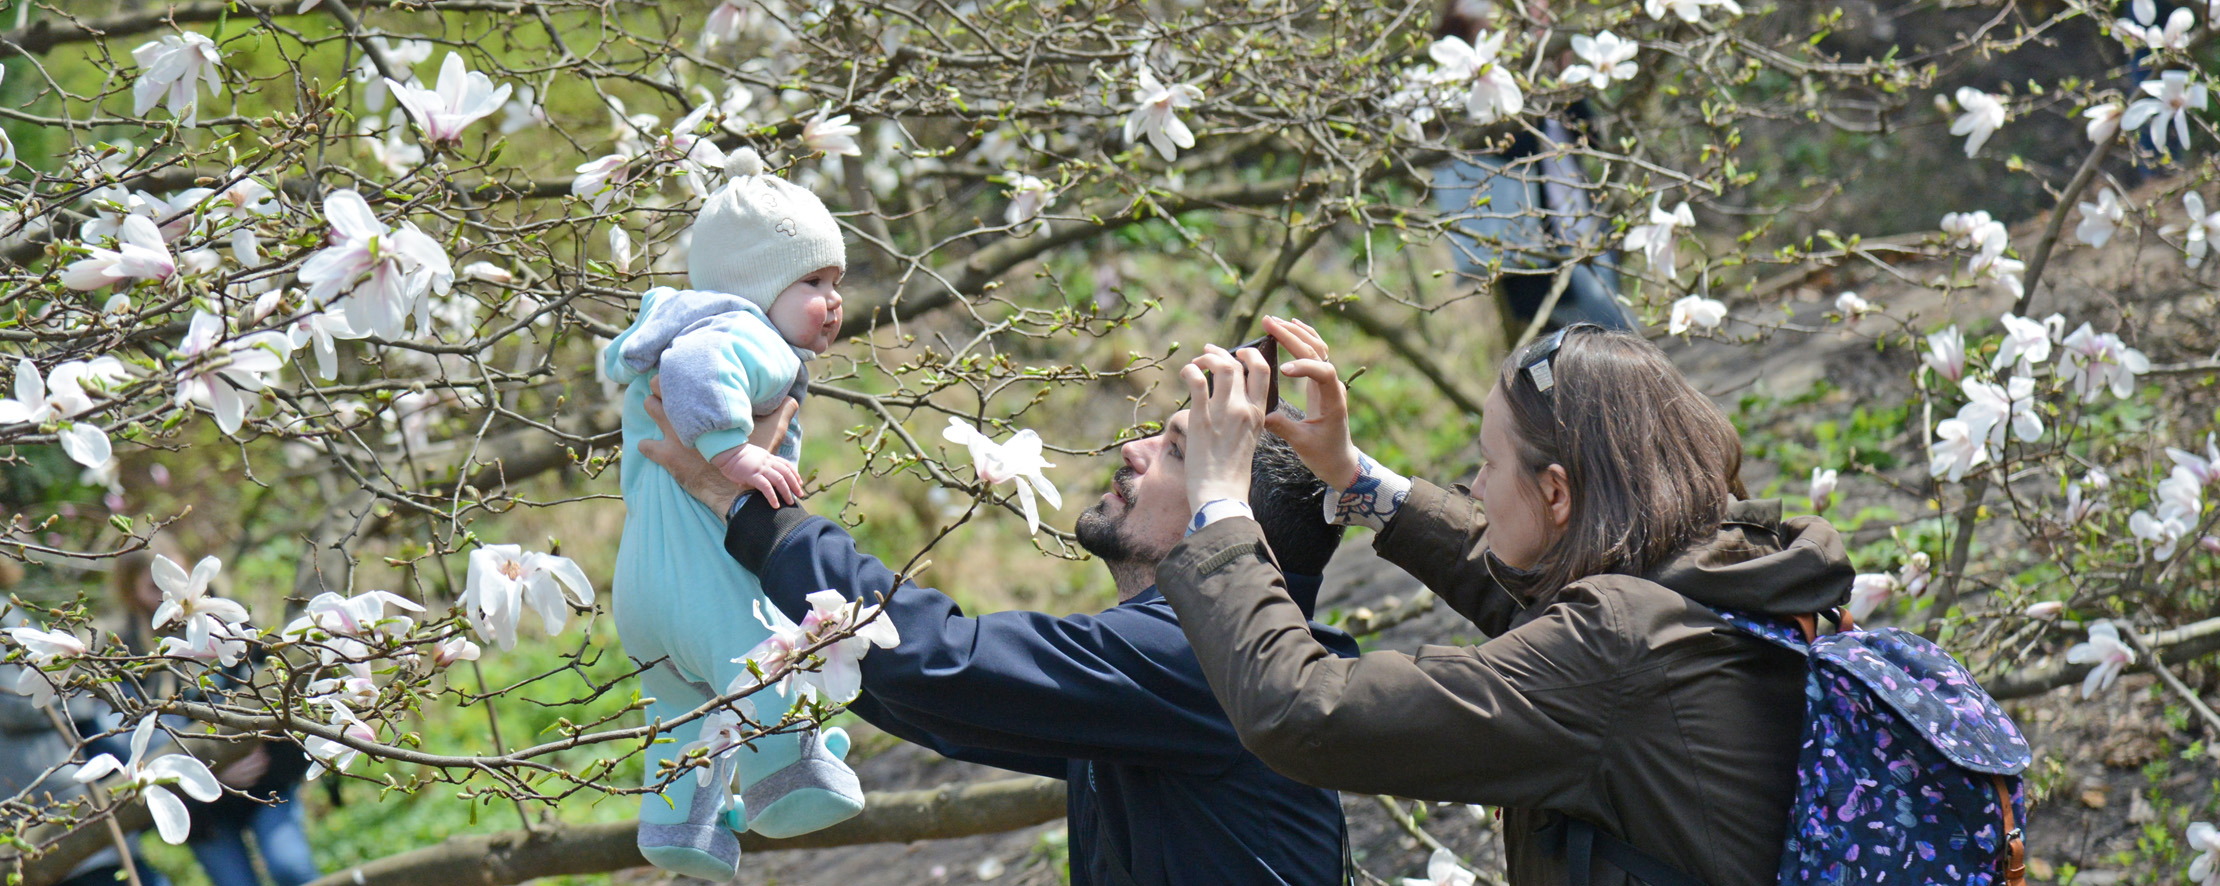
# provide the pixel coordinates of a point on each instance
(892, 817)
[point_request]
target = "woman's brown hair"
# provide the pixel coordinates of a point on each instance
(1652, 463)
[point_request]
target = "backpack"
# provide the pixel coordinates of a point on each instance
(1910, 772)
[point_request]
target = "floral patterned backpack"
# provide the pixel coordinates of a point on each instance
(1910, 772)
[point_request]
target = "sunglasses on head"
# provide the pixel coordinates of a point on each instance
(1270, 348)
(1536, 363)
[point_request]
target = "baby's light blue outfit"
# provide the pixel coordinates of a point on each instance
(679, 597)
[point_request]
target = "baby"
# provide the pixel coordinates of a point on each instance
(763, 263)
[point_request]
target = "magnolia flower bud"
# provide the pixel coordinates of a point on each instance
(2046, 609)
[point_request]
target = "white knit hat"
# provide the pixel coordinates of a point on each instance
(759, 233)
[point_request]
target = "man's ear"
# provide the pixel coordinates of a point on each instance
(1557, 496)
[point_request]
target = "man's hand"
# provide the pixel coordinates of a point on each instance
(695, 474)
(1321, 439)
(755, 467)
(1222, 422)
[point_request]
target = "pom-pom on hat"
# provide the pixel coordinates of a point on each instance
(759, 233)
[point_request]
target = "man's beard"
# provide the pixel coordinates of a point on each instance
(1104, 536)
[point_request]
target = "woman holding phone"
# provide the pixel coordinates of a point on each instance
(1605, 522)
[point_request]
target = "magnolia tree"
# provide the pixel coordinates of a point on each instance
(359, 260)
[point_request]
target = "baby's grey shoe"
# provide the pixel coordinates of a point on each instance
(814, 792)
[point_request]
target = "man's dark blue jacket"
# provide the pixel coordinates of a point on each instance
(1115, 704)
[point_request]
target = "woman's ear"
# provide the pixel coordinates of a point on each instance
(1557, 497)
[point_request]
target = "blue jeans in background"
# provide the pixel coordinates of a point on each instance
(280, 834)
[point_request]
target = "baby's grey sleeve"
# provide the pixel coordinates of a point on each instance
(711, 375)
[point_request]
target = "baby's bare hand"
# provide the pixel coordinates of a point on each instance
(756, 468)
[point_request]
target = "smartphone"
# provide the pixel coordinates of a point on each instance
(1270, 348)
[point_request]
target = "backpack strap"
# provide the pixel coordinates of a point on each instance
(1581, 843)
(2015, 852)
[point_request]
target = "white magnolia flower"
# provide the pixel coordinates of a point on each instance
(503, 579)
(2104, 121)
(140, 254)
(1494, 94)
(403, 265)
(43, 649)
(2026, 342)
(777, 659)
(224, 646)
(454, 649)
(1655, 239)
(1606, 58)
(463, 97)
(1983, 114)
(327, 754)
(186, 598)
(488, 272)
(831, 134)
(385, 144)
(323, 329)
(1991, 407)
(1917, 570)
(2107, 652)
(2206, 468)
(1687, 10)
(724, 23)
(1017, 459)
(2202, 230)
(599, 180)
(2100, 219)
(1868, 592)
(7, 147)
(149, 777)
(1955, 450)
(63, 396)
(2169, 98)
(2046, 610)
(2164, 532)
(2144, 28)
(219, 375)
(46, 647)
(1156, 115)
(1946, 354)
(1822, 487)
(356, 689)
(1442, 868)
(403, 55)
(1028, 197)
(174, 67)
(1977, 231)
(1695, 312)
(724, 733)
(840, 676)
(2204, 839)
(523, 112)
(620, 249)
(360, 617)
(2079, 506)
(2094, 362)
(1851, 306)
